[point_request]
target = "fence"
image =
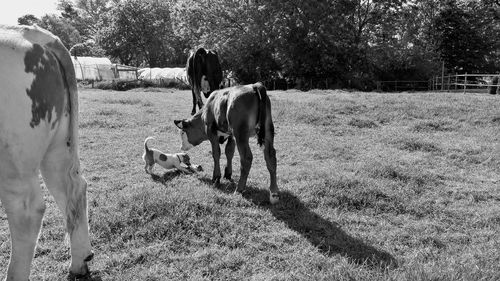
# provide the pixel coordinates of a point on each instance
(304, 83)
(461, 82)
(402, 85)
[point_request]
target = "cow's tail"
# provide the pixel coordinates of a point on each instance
(77, 188)
(263, 123)
(146, 148)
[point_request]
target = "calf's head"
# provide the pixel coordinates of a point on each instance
(192, 132)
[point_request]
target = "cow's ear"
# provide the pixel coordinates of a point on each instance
(179, 124)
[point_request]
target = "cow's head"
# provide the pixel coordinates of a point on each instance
(192, 132)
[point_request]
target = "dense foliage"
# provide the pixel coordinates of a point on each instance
(350, 43)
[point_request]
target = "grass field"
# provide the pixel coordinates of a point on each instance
(374, 186)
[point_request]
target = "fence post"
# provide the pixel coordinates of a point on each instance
(448, 84)
(465, 81)
(456, 80)
(442, 76)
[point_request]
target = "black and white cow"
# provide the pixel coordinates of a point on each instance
(39, 132)
(204, 74)
(235, 114)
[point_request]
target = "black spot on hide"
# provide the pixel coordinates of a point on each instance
(163, 157)
(46, 91)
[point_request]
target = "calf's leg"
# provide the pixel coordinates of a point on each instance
(230, 147)
(270, 157)
(246, 159)
(216, 156)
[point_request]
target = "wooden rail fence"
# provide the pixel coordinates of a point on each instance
(461, 82)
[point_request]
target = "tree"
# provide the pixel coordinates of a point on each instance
(61, 28)
(459, 40)
(28, 19)
(88, 48)
(139, 31)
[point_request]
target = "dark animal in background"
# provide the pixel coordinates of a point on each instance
(235, 114)
(204, 75)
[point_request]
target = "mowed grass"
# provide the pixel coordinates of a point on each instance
(373, 187)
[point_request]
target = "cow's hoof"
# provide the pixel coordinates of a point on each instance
(89, 257)
(216, 182)
(82, 274)
(274, 198)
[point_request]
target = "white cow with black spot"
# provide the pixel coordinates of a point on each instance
(39, 133)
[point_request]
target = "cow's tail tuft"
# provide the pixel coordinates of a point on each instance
(262, 113)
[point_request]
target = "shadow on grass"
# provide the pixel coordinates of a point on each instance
(167, 176)
(93, 276)
(326, 236)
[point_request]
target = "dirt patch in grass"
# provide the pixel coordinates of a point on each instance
(108, 112)
(415, 144)
(123, 101)
(362, 123)
(433, 126)
(96, 123)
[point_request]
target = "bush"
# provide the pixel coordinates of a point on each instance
(118, 85)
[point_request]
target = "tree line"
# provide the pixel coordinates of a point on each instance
(353, 43)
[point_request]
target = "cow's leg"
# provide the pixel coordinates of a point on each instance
(200, 101)
(24, 206)
(270, 157)
(69, 189)
(230, 147)
(246, 158)
(216, 155)
(195, 99)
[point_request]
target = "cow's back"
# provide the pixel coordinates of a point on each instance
(229, 108)
(34, 97)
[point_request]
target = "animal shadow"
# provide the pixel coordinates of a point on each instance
(93, 276)
(328, 237)
(167, 176)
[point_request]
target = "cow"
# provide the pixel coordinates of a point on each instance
(39, 134)
(204, 74)
(234, 114)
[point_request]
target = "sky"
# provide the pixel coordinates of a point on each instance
(14, 9)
